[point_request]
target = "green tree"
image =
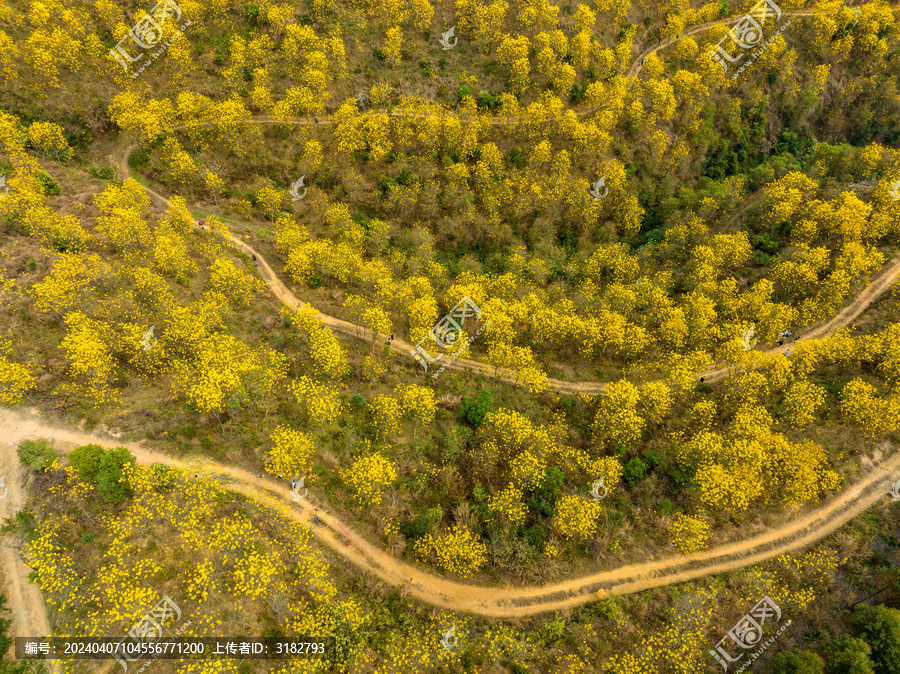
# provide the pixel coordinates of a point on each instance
(474, 410)
(849, 655)
(803, 662)
(635, 470)
(880, 627)
(109, 478)
(103, 468)
(543, 499)
(86, 460)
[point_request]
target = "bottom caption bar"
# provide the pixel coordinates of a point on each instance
(176, 648)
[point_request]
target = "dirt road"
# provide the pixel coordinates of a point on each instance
(24, 598)
(503, 602)
(28, 606)
(879, 286)
(882, 284)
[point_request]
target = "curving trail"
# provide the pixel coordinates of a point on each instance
(497, 602)
(878, 287)
(871, 293)
(502, 602)
(29, 614)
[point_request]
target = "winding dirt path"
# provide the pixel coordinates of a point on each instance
(498, 602)
(883, 282)
(505, 602)
(29, 614)
(879, 286)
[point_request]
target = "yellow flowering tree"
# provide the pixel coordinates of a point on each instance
(458, 550)
(321, 401)
(15, 379)
(369, 476)
(226, 279)
(227, 375)
(617, 420)
(802, 400)
(91, 364)
(329, 359)
(576, 517)
(49, 137)
(291, 452)
(862, 406)
(689, 533)
(508, 506)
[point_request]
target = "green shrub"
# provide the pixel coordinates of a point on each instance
(576, 93)
(103, 172)
(163, 476)
(608, 608)
(69, 240)
(634, 471)
(104, 469)
(474, 410)
(535, 535)
(543, 499)
(49, 185)
(803, 662)
(139, 158)
(552, 631)
(86, 460)
(653, 458)
(36, 454)
(486, 101)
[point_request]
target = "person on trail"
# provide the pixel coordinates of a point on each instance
(642, 63)
(780, 342)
